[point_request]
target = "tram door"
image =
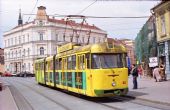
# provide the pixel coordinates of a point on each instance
(45, 72)
(64, 73)
(81, 74)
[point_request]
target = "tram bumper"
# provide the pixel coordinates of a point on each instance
(115, 92)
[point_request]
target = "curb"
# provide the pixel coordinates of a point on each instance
(152, 101)
(10, 97)
(16, 107)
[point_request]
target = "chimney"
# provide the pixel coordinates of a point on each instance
(41, 13)
(20, 18)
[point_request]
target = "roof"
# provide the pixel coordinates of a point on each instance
(159, 4)
(115, 41)
(62, 21)
(73, 23)
(23, 24)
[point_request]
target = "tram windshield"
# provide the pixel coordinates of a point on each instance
(107, 61)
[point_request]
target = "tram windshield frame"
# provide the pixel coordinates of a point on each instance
(107, 61)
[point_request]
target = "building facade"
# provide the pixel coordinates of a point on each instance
(146, 44)
(40, 38)
(162, 15)
(130, 45)
(2, 70)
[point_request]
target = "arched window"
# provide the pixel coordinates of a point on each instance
(41, 50)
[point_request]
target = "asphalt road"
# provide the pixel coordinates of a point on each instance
(29, 95)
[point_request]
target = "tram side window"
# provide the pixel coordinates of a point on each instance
(69, 61)
(64, 63)
(36, 66)
(73, 62)
(88, 60)
(119, 61)
(81, 63)
(46, 66)
(51, 65)
(60, 64)
(95, 61)
(57, 64)
(41, 66)
(124, 60)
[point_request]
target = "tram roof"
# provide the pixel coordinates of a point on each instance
(96, 48)
(39, 60)
(49, 58)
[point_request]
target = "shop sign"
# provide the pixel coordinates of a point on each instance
(153, 64)
(153, 61)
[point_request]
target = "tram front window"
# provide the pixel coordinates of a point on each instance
(107, 61)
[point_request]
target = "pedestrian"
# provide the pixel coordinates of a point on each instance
(140, 71)
(134, 73)
(156, 74)
(162, 72)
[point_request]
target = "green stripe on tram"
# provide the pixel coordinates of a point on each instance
(65, 79)
(73, 80)
(52, 77)
(84, 80)
(60, 78)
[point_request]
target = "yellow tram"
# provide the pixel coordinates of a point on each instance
(95, 70)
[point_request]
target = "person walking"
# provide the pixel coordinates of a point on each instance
(156, 74)
(134, 73)
(140, 71)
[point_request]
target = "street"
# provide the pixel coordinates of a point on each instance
(28, 95)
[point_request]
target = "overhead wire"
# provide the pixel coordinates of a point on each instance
(100, 17)
(87, 7)
(32, 10)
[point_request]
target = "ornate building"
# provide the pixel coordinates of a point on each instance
(40, 38)
(162, 15)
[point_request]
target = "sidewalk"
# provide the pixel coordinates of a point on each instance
(150, 90)
(6, 99)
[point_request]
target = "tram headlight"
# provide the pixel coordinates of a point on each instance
(113, 84)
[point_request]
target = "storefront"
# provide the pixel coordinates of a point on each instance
(164, 56)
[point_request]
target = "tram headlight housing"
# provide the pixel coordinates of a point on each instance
(113, 84)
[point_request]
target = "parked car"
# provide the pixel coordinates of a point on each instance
(25, 74)
(6, 74)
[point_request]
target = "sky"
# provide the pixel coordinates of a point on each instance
(116, 28)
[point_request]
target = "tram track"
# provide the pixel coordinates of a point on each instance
(106, 102)
(123, 99)
(40, 93)
(21, 102)
(108, 106)
(142, 102)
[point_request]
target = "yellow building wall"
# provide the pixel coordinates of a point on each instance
(166, 12)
